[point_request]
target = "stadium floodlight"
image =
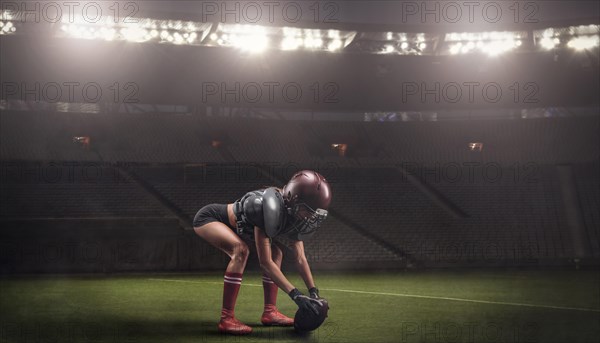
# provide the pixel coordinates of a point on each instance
(582, 30)
(6, 15)
(399, 43)
(291, 43)
(292, 39)
(549, 43)
(548, 38)
(585, 42)
(138, 30)
(134, 34)
(491, 43)
(389, 48)
(248, 38)
(259, 38)
(579, 38)
(335, 45)
(496, 48)
(7, 26)
(333, 34)
(313, 42)
(456, 48)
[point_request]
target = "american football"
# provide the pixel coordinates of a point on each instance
(306, 320)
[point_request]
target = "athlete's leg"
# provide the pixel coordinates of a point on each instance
(277, 254)
(269, 287)
(220, 236)
(271, 316)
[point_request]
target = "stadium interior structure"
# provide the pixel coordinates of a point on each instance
(407, 194)
(463, 158)
(112, 185)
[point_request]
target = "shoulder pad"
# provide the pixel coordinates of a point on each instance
(273, 212)
(253, 209)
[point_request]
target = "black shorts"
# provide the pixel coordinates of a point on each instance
(212, 213)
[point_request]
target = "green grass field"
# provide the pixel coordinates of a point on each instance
(427, 306)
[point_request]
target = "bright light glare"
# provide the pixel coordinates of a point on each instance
(6, 28)
(334, 45)
(492, 43)
(144, 30)
(311, 39)
(178, 38)
(6, 15)
(108, 34)
(313, 43)
(253, 43)
(291, 43)
(333, 34)
(498, 47)
(548, 43)
(456, 48)
(192, 37)
(582, 43)
(248, 38)
(548, 33)
(134, 34)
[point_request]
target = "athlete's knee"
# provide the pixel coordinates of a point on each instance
(277, 253)
(241, 253)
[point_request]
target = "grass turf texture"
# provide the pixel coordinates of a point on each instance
(150, 308)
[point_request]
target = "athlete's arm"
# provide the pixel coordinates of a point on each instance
(302, 264)
(263, 248)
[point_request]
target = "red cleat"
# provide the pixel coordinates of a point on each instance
(272, 317)
(232, 326)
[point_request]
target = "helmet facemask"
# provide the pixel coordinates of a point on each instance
(307, 219)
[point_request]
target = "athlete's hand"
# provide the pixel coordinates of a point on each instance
(304, 302)
(314, 293)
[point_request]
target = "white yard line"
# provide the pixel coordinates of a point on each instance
(409, 296)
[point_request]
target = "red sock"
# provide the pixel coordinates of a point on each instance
(270, 292)
(231, 287)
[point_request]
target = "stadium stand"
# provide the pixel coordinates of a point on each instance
(42, 137)
(132, 138)
(271, 141)
(520, 211)
(153, 138)
(169, 166)
(543, 141)
(588, 188)
(69, 190)
(337, 243)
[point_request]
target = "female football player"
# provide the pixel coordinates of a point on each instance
(267, 218)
